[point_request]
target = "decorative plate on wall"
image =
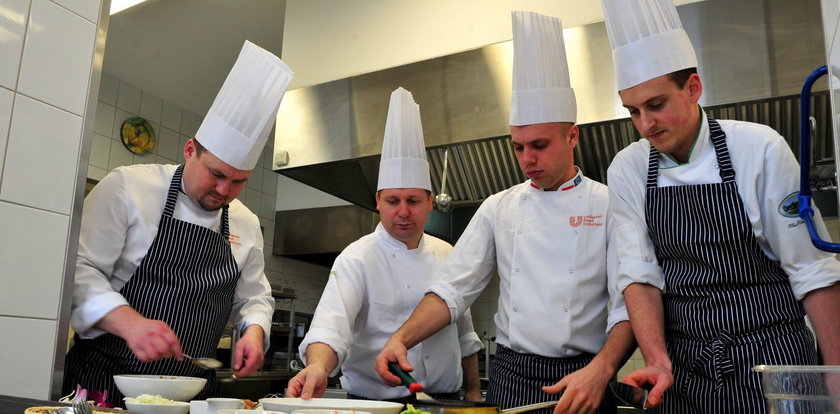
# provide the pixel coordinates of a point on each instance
(137, 135)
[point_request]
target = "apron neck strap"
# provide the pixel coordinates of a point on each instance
(172, 197)
(727, 174)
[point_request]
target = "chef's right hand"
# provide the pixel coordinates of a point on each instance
(310, 382)
(394, 351)
(149, 340)
(660, 378)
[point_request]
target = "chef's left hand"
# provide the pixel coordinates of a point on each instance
(583, 390)
(248, 355)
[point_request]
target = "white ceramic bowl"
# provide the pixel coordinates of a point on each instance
(322, 411)
(292, 404)
(178, 408)
(243, 411)
(173, 388)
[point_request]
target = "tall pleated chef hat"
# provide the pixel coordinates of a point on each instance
(403, 163)
(541, 89)
(647, 40)
(236, 127)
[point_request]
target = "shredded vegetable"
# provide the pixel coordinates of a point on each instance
(409, 409)
(150, 399)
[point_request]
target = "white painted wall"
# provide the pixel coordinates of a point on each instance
(51, 53)
(325, 40)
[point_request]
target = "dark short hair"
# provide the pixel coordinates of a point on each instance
(198, 147)
(680, 77)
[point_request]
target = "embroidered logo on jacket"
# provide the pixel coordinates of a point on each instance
(577, 221)
(789, 207)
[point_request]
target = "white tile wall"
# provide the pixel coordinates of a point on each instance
(189, 123)
(6, 98)
(27, 230)
(109, 89)
(100, 151)
(171, 116)
(105, 118)
(13, 26)
(168, 144)
(41, 136)
(57, 57)
(27, 357)
(151, 107)
(129, 98)
(85, 8)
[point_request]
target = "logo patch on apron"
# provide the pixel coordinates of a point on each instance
(789, 207)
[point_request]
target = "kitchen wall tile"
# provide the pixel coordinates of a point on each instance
(171, 116)
(151, 107)
(32, 284)
(269, 182)
(104, 119)
(268, 233)
(255, 180)
(129, 98)
(147, 158)
(189, 123)
(27, 356)
(56, 35)
(168, 143)
(89, 9)
(13, 26)
(96, 173)
(44, 136)
(6, 99)
(100, 151)
(119, 117)
(163, 160)
(109, 89)
(119, 156)
(252, 200)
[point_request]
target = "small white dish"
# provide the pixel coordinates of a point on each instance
(177, 408)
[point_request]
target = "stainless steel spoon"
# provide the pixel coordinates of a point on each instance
(205, 363)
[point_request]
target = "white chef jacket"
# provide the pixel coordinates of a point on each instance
(374, 286)
(120, 221)
(551, 252)
(766, 173)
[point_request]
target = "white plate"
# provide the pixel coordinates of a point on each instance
(292, 404)
(177, 408)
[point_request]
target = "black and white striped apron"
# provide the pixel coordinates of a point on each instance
(727, 306)
(187, 279)
(517, 379)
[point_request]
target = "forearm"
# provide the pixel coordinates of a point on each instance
(647, 320)
(469, 365)
(119, 320)
(430, 316)
(823, 308)
(320, 355)
(617, 350)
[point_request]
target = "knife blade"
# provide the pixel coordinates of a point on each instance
(629, 395)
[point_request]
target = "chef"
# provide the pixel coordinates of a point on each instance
(377, 281)
(717, 274)
(167, 254)
(559, 328)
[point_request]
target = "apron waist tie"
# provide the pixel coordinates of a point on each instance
(715, 351)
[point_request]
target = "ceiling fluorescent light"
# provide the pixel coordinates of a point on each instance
(120, 5)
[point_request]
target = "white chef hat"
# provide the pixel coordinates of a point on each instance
(236, 127)
(541, 89)
(647, 40)
(403, 163)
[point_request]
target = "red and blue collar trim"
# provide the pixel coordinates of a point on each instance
(569, 184)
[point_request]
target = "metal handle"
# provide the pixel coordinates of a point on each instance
(530, 407)
(806, 212)
(445, 167)
(406, 378)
